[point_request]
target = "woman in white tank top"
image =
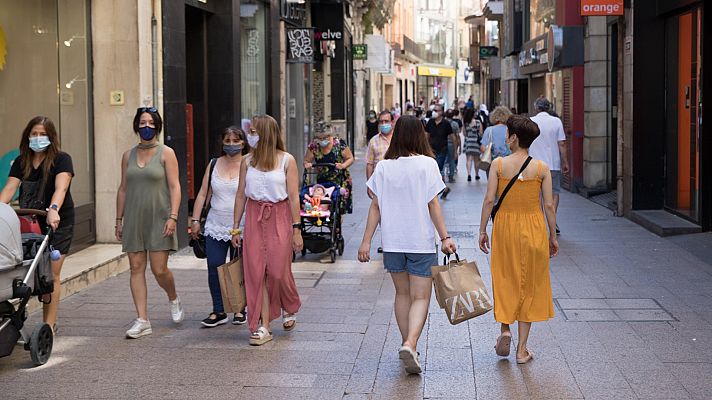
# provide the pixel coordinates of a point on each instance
(219, 187)
(269, 194)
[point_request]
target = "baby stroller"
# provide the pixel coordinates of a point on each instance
(25, 271)
(322, 207)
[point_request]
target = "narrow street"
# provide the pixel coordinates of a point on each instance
(633, 320)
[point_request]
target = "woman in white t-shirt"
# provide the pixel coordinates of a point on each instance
(405, 186)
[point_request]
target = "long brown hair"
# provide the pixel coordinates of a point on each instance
(264, 156)
(26, 153)
(408, 139)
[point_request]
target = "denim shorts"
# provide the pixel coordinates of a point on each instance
(556, 182)
(417, 264)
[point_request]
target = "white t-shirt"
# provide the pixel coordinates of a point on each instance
(404, 187)
(546, 146)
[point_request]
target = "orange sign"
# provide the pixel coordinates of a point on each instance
(601, 7)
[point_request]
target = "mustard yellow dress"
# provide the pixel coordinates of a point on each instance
(520, 253)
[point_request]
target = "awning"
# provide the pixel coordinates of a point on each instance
(436, 71)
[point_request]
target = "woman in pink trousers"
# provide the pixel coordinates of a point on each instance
(268, 193)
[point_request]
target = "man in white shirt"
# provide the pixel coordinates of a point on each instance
(550, 146)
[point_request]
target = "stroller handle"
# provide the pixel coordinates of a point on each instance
(330, 165)
(30, 211)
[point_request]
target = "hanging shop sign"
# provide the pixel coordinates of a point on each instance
(601, 7)
(300, 45)
(360, 52)
(488, 51)
(433, 71)
(295, 13)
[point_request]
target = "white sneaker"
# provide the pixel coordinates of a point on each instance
(139, 328)
(177, 310)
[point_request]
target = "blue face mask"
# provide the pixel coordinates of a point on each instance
(385, 129)
(147, 133)
(39, 144)
(232, 149)
(324, 143)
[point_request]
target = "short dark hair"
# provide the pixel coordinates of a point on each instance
(408, 139)
(386, 112)
(524, 129)
(542, 104)
(157, 120)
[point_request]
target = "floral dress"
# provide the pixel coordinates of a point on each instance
(331, 174)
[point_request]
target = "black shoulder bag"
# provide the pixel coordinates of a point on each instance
(198, 245)
(509, 186)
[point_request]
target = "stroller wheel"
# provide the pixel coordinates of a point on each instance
(340, 246)
(332, 255)
(304, 252)
(41, 343)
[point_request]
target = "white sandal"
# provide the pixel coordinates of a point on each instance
(260, 336)
(289, 318)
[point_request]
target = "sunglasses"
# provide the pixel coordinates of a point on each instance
(146, 109)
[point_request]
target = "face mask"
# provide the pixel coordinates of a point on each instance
(252, 140)
(232, 149)
(436, 114)
(147, 133)
(385, 129)
(324, 143)
(39, 144)
(372, 116)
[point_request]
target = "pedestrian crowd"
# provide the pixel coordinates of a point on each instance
(251, 206)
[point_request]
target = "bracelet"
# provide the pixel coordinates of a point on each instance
(195, 220)
(297, 225)
(119, 219)
(483, 233)
(173, 218)
(234, 232)
(445, 238)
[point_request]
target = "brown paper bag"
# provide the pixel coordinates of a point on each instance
(460, 290)
(232, 285)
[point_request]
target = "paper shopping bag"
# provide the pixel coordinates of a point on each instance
(232, 285)
(460, 290)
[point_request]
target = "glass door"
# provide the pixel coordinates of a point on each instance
(683, 80)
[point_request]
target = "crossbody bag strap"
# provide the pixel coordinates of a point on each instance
(208, 197)
(509, 186)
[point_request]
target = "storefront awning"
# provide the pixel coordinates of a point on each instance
(436, 71)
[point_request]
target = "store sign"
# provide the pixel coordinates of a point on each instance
(488, 51)
(601, 7)
(360, 52)
(554, 46)
(300, 46)
(328, 34)
(293, 12)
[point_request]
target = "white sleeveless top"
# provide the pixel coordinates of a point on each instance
(268, 186)
(222, 205)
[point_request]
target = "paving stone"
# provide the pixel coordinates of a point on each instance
(591, 315)
(644, 315)
(582, 304)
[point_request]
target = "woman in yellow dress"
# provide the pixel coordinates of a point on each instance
(521, 246)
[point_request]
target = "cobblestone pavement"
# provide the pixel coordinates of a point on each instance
(633, 320)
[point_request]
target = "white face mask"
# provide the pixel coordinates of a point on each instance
(252, 140)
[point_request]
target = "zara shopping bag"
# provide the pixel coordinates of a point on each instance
(232, 285)
(460, 290)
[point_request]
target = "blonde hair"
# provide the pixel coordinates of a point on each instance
(500, 115)
(264, 156)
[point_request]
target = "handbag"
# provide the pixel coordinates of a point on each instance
(232, 284)
(486, 156)
(509, 186)
(460, 290)
(198, 244)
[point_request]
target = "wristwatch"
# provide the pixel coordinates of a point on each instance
(297, 225)
(53, 207)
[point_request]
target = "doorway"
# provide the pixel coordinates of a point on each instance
(683, 98)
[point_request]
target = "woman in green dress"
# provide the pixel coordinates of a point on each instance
(147, 205)
(329, 149)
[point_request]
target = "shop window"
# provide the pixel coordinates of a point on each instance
(44, 71)
(542, 15)
(253, 58)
